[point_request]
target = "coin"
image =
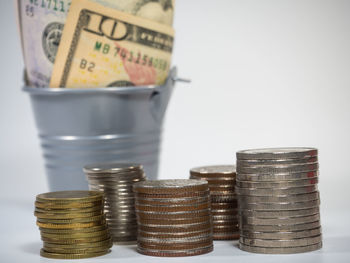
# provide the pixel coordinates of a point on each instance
(75, 240)
(286, 228)
(76, 235)
(280, 198)
(106, 242)
(172, 246)
(255, 162)
(280, 221)
(214, 170)
(98, 218)
(268, 169)
(282, 235)
(276, 191)
(277, 184)
(173, 208)
(279, 250)
(282, 213)
(279, 206)
(277, 153)
(175, 240)
(226, 236)
(277, 176)
(58, 211)
(68, 226)
(170, 186)
(297, 242)
(48, 205)
(175, 228)
(173, 194)
(73, 231)
(46, 254)
(165, 221)
(177, 253)
(66, 215)
(62, 197)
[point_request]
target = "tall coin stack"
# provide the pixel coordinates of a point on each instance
(222, 181)
(173, 217)
(278, 200)
(72, 224)
(116, 181)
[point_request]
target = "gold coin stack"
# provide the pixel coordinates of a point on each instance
(72, 224)
(222, 181)
(173, 217)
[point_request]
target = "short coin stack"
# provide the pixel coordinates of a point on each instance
(278, 200)
(116, 181)
(222, 181)
(173, 217)
(72, 224)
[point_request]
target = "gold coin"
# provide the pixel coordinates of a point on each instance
(70, 197)
(102, 243)
(66, 241)
(68, 215)
(76, 235)
(43, 253)
(76, 251)
(68, 226)
(69, 210)
(98, 218)
(74, 231)
(73, 205)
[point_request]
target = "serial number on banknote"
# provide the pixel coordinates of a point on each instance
(49, 5)
(130, 56)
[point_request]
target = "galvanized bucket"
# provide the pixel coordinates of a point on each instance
(82, 126)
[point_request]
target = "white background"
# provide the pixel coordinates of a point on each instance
(264, 74)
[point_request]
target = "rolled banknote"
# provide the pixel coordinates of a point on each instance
(103, 47)
(42, 23)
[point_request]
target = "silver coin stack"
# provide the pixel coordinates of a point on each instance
(116, 181)
(174, 218)
(278, 200)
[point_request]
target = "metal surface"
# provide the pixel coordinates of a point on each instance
(81, 126)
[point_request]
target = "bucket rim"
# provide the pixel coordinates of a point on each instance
(121, 90)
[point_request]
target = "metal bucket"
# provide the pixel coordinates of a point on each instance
(82, 126)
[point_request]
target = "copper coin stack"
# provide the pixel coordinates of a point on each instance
(173, 217)
(116, 180)
(278, 200)
(72, 224)
(222, 181)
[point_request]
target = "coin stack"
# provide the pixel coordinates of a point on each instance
(278, 200)
(72, 224)
(222, 181)
(173, 217)
(116, 181)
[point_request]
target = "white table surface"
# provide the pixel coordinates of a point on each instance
(20, 242)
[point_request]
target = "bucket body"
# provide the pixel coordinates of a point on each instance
(83, 126)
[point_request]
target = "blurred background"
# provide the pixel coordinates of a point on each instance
(264, 74)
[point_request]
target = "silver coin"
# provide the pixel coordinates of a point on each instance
(194, 239)
(229, 211)
(214, 169)
(121, 177)
(180, 252)
(173, 200)
(170, 183)
(279, 250)
(174, 234)
(218, 218)
(279, 206)
(111, 167)
(223, 198)
(174, 226)
(258, 162)
(297, 242)
(177, 213)
(274, 228)
(276, 191)
(215, 179)
(282, 235)
(279, 214)
(277, 176)
(277, 153)
(270, 169)
(277, 184)
(279, 199)
(279, 221)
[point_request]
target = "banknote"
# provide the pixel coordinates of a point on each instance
(103, 47)
(42, 22)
